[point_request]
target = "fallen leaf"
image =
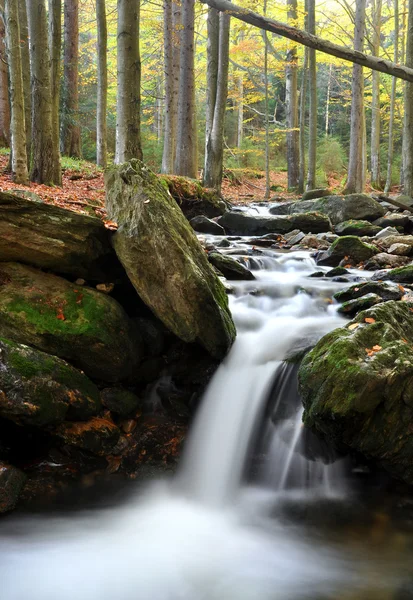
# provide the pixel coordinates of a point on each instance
(369, 320)
(377, 348)
(353, 326)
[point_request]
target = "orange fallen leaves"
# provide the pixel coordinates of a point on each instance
(371, 351)
(369, 320)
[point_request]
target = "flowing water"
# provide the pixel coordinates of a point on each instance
(259, 510)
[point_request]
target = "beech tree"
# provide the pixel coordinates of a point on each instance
(390, 150)
(45, 163)
(24, 48)
(172, 33)
(291, 101)
(4, 84)
(55, 42)
(102, 95)
(128, 134)
(375, 177)
(70, 131)
(18, 129)
(408, 112)
(312, 125)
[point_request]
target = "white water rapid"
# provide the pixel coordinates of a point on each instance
(214, 531)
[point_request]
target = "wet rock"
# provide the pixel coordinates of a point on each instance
(153, 335)
(46, 236)
(350, 247)
(400, 249)
(78, 324)
(352, 307)
(357, 386)
(164, 260)
(41, 390)
(297, 238)
(400, 275)
(386, 233)
(314, 194)
(12, 481)
(238, 223)
(394, 220)
(312, 241)
(120, 401)
(386, 291)
(224, 243)
(317, 274)
(359, 228)
(205, 225)
(281, 208)
(229, 267)
(337, 271)
(389, 241)
(98, 435)
(192, 198)
(342, 208)
(383, 260)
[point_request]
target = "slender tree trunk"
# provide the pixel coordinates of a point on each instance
(408, 112)
(128, 124)
(392, 101)
(291, 100)
(240, 117)
(212, 74)
(355, 169)
(18, 129)
(24, 37)
(267, 121)
(102, 96)
(215, 142)
(169, 140)
(327, 125)
(70, 134)
(45, 167)
(55, 44)
(375, 100)
(185, 162)
(303, 98)
(159, 110)
(4, 85)
(312, 125)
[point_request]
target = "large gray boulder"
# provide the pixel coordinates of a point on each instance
(84, 326)
(46, 236)
(164, 260)
(239, 223)
(349, 247)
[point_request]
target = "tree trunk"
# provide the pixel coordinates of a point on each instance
(18, 131)
(291, 101)
(70, 134)
(240, 117)
(312, 124)
(24, 37)
(102, 95)
(390, 150)
(212, 74)
(55, 44)
(267, 120)
(327, 122)
(4, 85)
(375, 100)
(408, 112)
(355, 176)
(128, 123)
(215, 142)
(169, 143)
(45, 166)
(186, 151)
(312, 41)
(303, 98)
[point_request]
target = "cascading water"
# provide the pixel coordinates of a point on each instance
(212, 533)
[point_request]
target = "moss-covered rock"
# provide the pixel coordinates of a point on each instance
(359, 228)
(192, 198)
(46, 236)
(400, 275)
(401, 222)
(386, 291)
(204, 225)
(41, 390)
(357, 386)
(76, 323)
(120, 401)
(239, 223)
(342, 208)
(352, 307)
(229, 267)
(349, 247)
(12, 481)
(164, 260)
(98, 435)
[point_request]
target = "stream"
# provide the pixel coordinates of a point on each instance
(259, 508)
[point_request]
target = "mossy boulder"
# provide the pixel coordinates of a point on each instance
(46, 236)
(318, 193)
(349, 247)
(229, 267)
(357, 386)
(352, 307)
(120, 401)
(192, 198)
(401, 222)
(12, 481)
(386, 291)
(84, 326)
(98, 435)
(399, 275)
(164, 259)
(359, 228)
(342, 208)
(239, 223)
(41, 390)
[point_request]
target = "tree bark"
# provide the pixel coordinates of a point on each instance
(128, 122)
(55, 43)
(18, 130)
(375, 101)
(212, 73)
(267, 120)
(303, 98)
(70, 134)
(327, 121)
(408, 112)
(102, 92)
(169, 134)
(312, 41)
(355, 177)
(45, 164)
(390, 150)
(291, 101)
(312, 124)
(186, 152)
(24, 37)
(4, 85)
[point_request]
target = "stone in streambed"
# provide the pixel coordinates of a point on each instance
(350, 247)
(383, 260)
(357, 386)
(204, 225)
(229, 267)
(395, 220)
(98, 435)
(164, 259)
(352, 307)
(400, 275)
(337, 272)
(120, 401)
(237, 223)
(76, 323)
(41, 390)
(386, 291)
(400, 249)
(359, 228)
(314, 194)
(12, 481)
